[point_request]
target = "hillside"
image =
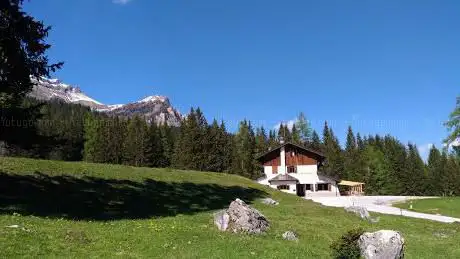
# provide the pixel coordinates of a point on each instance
(97, 210)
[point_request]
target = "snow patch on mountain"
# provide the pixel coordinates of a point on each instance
(154, 98)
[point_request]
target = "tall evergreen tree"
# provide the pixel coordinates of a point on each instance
(272, 140)
(453, 125)
(415, 172)
(214, 148)
(304, 128)
(22, 55)
(435, 170)
(243, 151)
(154, 153)
(315, 142)
(135, 142)
(295, 136)
(351, 156)
(334, 158)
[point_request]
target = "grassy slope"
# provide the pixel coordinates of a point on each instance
(449, 206)
(168, 213)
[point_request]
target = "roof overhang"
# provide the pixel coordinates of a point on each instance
(319, 154)
(350, 183)
(283, 178)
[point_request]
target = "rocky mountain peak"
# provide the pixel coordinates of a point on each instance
(153, 108)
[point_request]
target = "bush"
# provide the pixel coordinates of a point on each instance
(347, 246)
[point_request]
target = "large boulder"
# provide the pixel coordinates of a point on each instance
(382, 244)
(241, 218)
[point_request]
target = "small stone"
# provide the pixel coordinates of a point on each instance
(221, 220)
(13, 226)
(269, 201)
(291, 236)
(362, 213)
(440, 235)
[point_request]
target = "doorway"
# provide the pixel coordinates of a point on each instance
(300, 189)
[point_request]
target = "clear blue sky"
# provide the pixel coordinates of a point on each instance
(382, 66)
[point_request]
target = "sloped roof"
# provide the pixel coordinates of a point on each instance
(292, 144)
(284, 177)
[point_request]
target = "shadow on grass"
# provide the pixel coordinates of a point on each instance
(92, 198)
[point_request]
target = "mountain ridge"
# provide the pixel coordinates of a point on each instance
(156, 108)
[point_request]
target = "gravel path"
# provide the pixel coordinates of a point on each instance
(381, 204)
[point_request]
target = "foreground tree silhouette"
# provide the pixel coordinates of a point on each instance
(453, 125)
(22, 55)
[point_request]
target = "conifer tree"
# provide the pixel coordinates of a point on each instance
(315, 142)
(359, 142)
(22, 55)
(214, 148)
(272, 140)
(226, 140)
(243, 151)
(167, 137)
(351, 156)
(374, 170)
(154, 153)
(435, 169)
(334, 158)
(453, 125)
(415, 172)
(304, 128)
(91, 138)
(295, 136)
(135, 142)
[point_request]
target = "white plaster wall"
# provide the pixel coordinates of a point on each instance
(268, 170)
(307, 169)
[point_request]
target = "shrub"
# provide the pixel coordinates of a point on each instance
(347, 246)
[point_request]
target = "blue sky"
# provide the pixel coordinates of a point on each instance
(382, 66)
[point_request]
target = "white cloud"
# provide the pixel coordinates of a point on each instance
(121, 2)
(289, 123)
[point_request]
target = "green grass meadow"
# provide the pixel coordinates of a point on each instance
(78, 210)
(447, 206)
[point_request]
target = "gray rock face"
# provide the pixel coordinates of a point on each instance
(241, 218)
(269, 201)
(383, 244)
(291, 236)
(361, 212)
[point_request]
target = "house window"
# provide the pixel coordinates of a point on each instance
(323, 187)
(292, 169)
(307, 187)
(283, 187)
